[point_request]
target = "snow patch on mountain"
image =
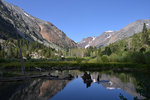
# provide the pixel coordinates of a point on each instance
(111, 88)
(109, 31)
(93, 38)
(87, 46)
(26, 14)
(108, 36)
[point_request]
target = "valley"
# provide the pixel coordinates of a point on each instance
(38, 61)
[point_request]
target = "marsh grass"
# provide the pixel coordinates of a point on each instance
(68, 64)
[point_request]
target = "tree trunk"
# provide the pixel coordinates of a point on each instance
(22, 62)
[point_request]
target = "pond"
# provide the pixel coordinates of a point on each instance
(84, 85)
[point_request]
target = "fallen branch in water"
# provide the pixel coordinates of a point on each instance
(49, 77)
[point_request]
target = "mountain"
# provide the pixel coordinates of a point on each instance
(84, 43)
(109, 37)
(14, 20)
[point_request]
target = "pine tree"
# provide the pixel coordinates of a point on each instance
(108, 51)
(49, 52)
(144, 34)
(144, 28)
(99, 51)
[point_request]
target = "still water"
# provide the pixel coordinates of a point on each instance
(84, 85)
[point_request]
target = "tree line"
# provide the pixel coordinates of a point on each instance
(134, 49)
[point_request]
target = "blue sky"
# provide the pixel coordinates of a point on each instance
(84, 18)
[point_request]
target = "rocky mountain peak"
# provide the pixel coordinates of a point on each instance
(109, 37)
(30, 28)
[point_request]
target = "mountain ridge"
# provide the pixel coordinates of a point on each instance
(30, 28)
(109, 37)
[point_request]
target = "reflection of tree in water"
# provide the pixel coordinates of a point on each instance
(87, 79)
(123, 98)
(142, 85)
(144, 89)
(98, 78)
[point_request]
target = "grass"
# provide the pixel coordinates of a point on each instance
(68, 64)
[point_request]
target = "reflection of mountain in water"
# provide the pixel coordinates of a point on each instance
(128, 87)
(40, 90)
(112, 82)
(44, 89)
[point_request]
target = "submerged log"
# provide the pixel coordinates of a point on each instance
(49, 77)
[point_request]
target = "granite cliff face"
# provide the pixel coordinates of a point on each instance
(14, 20)
(109, 37)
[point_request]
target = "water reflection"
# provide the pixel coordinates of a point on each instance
(87, 79)
(85, 86)
(42, 88)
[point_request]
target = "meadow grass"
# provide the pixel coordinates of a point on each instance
(68, 64)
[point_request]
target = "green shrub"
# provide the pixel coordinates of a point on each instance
(2, 60)
(93, 60)
(113, 57)
(79, 60)
(147, 57)
(104, 58)
(136, 57)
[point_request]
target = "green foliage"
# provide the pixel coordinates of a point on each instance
(144, 28)
(148, 33)
(131, 49)
(2, 60)
(10, 49)
(107, 51)
(79, 60)
(144, 34)
(104, 58)
(99, 52)
(30, 65)
(136, 57)
(114, 47)
(81, 52)
(144, 89)
(147, 57)
(114, 57)
(135, 42)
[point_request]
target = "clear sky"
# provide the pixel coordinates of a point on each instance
(84, 18)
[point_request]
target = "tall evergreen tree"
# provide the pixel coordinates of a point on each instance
(99, 51)
(107, 51)
(144, 28)
(10, 52)
(144, 34)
